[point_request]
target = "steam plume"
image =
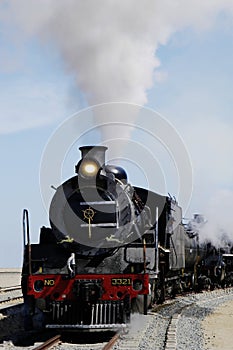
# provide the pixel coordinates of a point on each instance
(110, 46)
(219, 228)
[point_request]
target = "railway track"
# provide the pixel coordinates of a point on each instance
(112, 341)
(170, 342)
(10, 295)
(57, 339)
(10, 288)
(49, 343)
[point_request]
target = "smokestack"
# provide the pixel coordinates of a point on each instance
(94, 152)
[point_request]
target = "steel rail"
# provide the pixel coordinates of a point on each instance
(10, 294)
(49, 343)
(10, 288)
(112, 341)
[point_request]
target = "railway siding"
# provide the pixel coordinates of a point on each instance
(10, 295)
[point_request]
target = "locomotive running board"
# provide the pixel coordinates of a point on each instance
(86, 326)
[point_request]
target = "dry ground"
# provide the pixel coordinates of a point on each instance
(218, 328)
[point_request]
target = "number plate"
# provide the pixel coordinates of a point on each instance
(121, 281)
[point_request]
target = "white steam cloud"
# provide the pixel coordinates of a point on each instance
(110, 46)
(218, 228)
(210, 143)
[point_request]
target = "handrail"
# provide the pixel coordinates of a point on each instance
(26, 227)
(157, 240)
(26, 238)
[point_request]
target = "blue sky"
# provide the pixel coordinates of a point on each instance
(192, 88)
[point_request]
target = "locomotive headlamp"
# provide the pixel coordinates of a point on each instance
(88, 168)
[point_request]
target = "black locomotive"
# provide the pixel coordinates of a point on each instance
(112, 248)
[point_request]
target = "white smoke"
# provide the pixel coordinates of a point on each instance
(110, 46)
(210, 144)
(219, 227)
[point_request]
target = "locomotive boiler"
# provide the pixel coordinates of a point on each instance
(111, 248)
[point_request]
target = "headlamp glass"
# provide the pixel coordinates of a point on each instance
(88, 168)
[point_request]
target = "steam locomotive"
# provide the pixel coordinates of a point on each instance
(112, 248)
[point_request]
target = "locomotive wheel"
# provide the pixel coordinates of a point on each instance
(159, 296)
(160, 291)
(194, 282)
